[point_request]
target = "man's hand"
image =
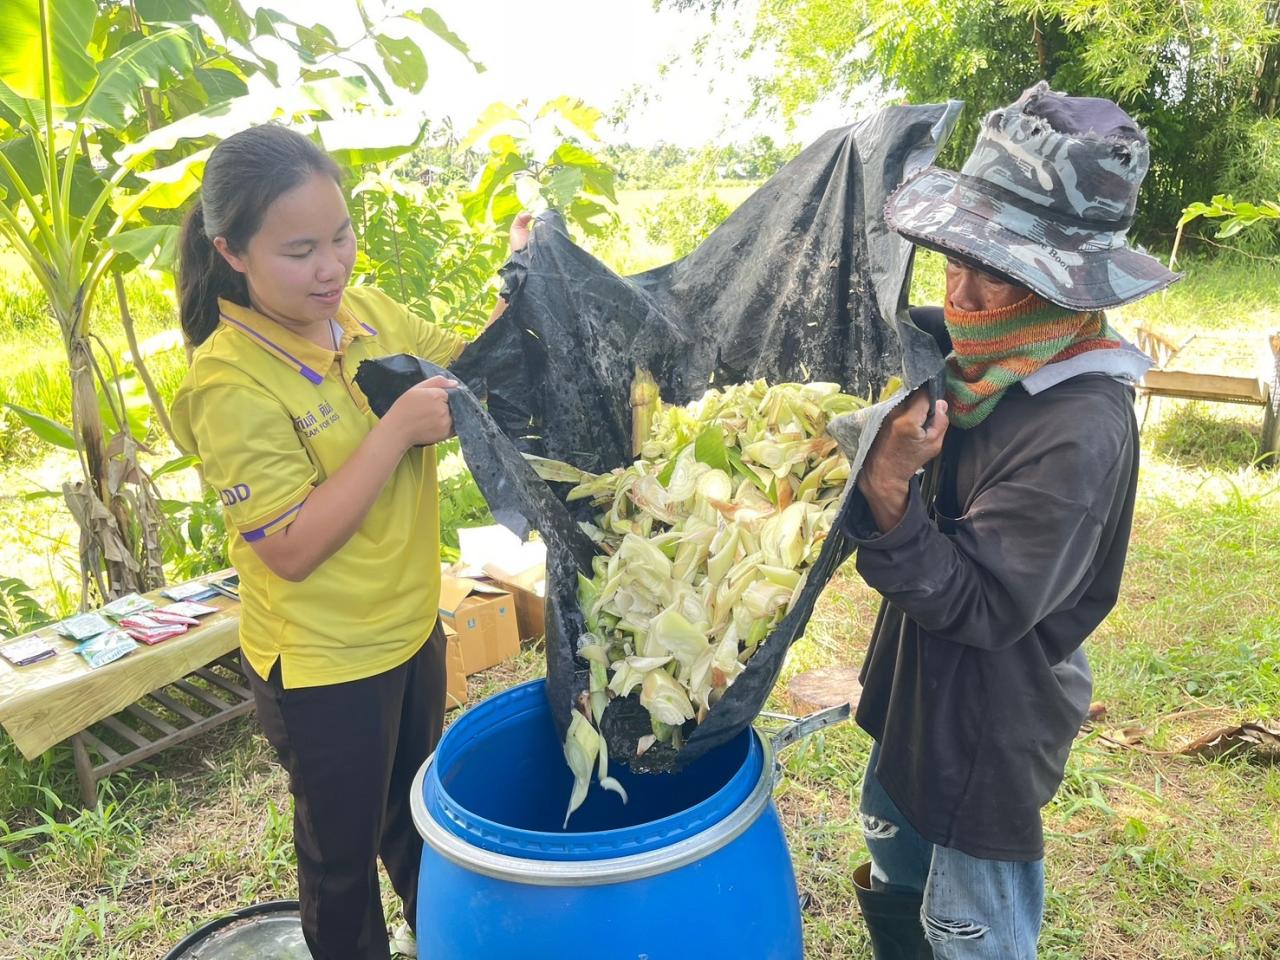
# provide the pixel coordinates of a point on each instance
(902, 447)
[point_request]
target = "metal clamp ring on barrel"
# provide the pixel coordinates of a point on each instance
(591, 873)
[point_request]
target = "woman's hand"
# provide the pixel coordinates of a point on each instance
(520, 231)
(421, 414)
(334, 510)
(519, 239)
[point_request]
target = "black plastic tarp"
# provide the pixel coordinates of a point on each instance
(802, 282)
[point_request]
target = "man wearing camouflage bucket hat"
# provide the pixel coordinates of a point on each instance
(976, 683)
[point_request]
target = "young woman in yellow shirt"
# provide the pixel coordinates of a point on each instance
(333, 514)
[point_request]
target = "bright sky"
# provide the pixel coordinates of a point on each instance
(598, 50)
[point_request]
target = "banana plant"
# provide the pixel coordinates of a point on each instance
(55, 210)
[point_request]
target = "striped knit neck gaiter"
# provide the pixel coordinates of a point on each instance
(994, 349)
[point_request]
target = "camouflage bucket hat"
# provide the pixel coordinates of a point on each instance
(1045, 199)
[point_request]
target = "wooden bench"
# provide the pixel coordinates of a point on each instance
(1218, 368)
(129, 710)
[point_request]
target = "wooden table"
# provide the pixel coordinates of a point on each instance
(1220, 368)
(128, 710)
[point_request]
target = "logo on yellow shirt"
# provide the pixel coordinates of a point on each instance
(233, 495)
(313, 421)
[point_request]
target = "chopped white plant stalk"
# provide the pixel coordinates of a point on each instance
(705, 541)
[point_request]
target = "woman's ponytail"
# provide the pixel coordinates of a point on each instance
(243, 177)
(204, 276)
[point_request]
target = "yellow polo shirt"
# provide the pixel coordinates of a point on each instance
(271, 416)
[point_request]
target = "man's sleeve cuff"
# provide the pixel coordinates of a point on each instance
(861, 526)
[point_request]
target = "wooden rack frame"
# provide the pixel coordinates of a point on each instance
(1181, 371)
(167, 716)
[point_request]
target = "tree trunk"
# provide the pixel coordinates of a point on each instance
(103, 517)
(1266, 92)
(1042, 55)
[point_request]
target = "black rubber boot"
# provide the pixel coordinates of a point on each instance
(893, 920)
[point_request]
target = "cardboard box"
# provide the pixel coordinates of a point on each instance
(484, 618)
(528, 589)
(496, 554)
(455, 675)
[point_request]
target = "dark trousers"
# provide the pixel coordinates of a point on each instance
(351, 751)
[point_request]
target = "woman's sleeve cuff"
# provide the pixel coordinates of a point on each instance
(262, 527)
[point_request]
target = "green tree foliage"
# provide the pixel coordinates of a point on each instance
(1203, 78)
(539, 159)
(666, 166)
(194, 540)
(19, 611)
(757, 159)
(661, 166)
(461, 502)
(433, 226)
(440, 159)
(1232, 216)
(683, 219)
(416, 245)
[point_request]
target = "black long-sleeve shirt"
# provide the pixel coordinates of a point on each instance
(975, 683)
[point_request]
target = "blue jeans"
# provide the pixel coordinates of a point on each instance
(973, 909)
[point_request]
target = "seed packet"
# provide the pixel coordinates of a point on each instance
(167, 618)
(152, 635)
(143, 620)
(196, 590)
(106, 647)
(83, 626)
(228, 586)
(129, 603)
(189, 608)
(28, 650)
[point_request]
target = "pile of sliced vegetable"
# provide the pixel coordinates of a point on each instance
(705, 541)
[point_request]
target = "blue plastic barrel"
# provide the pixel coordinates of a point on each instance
(694, 865)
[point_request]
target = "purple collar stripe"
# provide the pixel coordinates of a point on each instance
(255, 535)
(303, 369)
(368, 329)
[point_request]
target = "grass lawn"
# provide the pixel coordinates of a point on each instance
(1150, 854)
